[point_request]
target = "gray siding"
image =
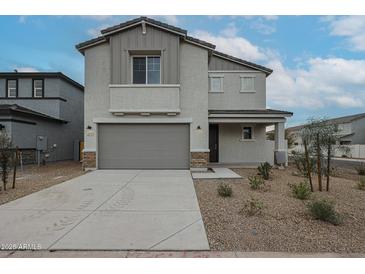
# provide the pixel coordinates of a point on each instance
(358, 127)
(154, 40)
(232, 98)
(217, 63)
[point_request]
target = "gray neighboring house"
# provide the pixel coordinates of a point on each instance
(157, 98)
(351, 130)
(44, 108)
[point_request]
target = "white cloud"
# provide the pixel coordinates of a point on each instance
(351, 27)
(325, 82)
(169, 19)
(94, 32)
(263, 27)
(26, 69)
(97, 17)
(230, 31)
(22, 19)
(234, 45)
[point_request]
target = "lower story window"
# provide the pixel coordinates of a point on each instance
(247, 133)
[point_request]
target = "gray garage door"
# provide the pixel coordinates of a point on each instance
(143, 146)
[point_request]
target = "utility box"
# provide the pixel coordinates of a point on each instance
(280, 157)
(41, 143)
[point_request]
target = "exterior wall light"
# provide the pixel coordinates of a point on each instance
(198, 128)
(88, 127)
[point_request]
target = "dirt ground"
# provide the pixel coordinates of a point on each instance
(34, 178)
(284, 224)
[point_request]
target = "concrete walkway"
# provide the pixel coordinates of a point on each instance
(108, 210)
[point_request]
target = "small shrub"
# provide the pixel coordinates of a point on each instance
(301, 191)
(300, 163)
(333, 172)
(264, 170)
(224, 190)
(360, 169)
(325, 210)
(256, 182)
(361, 183)
(252, 207)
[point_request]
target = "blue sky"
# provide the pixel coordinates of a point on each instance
(318, 62)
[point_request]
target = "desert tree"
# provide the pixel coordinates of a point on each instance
(6, 153)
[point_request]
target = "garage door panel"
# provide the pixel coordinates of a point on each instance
(144, 146)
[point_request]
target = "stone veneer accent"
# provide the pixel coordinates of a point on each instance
(199, 159)
(89, 160)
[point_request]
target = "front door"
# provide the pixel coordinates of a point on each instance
(213, 143)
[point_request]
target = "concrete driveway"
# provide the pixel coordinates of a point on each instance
(108, 210)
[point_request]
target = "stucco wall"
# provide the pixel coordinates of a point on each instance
(233, 98)
(358, 126)
(232, 149)
(193, 93)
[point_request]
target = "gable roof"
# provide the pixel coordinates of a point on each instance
(147, 20)
(6, 109)
(105, 34)
(338, 120)
(42, 75)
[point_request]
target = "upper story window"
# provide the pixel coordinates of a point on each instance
(38, 88)
(12, 88)
(247, 133)
(146, 70)
(247, 84)
(215, 83)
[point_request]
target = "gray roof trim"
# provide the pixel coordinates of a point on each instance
(42, 75)
(139, 20)
(6, 109)
(338, 120)
(251, 111)
(90, 43)
(199, 42)
(243, 62)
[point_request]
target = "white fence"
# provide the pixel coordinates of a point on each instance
(354, 151)
(350, 151)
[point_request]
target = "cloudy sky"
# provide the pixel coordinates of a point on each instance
(318, 62)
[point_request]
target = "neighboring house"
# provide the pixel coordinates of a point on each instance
(351, 130)
(44, 110)
(158, 98)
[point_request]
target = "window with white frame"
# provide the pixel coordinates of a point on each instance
(216, 83)
(247, 84)
(247, 133)
(12, 88)
(38, 88)
(146, 70)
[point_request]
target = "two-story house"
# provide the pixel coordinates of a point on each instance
(156, 97)
(43, 114)
(350, 131)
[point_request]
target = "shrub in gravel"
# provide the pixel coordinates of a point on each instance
(301, 191)
(325, 210)
(224, 190)
(264, 170)
(360, 169)
(256, 182)
(361, 183)
(252, 207)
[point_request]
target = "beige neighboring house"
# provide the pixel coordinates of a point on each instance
(157, 98)
(351, 130)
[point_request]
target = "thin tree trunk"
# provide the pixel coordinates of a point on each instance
(308, 164)
(328, 165)
(15, 164)
(319, 168)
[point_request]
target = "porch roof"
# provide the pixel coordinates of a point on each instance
(266, 116)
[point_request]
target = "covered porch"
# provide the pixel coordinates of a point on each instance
(238, 137)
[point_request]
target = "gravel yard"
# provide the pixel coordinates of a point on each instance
(34, 178)
(284, 224)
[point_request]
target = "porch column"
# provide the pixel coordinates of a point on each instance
(280, 145)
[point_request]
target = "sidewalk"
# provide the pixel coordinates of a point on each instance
(170, 254)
